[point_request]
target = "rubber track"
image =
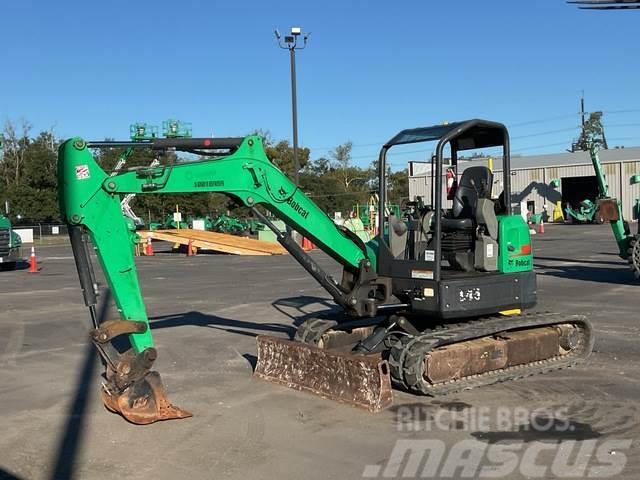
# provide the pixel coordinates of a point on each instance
(311, 331)
(634, 256)
(408, 353)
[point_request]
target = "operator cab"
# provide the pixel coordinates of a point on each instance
(460, 239)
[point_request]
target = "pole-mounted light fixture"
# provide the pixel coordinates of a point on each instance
(290, 42)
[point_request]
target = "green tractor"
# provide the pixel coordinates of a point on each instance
(369, 212)
(10, 241)
(586, 212)
(10, 245)
(230, 225)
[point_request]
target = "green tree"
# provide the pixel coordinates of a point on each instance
(341, 156)
(28, 178)
(398, 186)
(281, 154)
(29, 175)
(16, 139)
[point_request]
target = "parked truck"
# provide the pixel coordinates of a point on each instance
(10, 244)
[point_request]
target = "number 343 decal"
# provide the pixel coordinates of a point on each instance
(469, 295)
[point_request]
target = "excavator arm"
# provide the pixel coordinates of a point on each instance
(90, 203)
(609, 208)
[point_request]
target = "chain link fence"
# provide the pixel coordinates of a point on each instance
(42, 233)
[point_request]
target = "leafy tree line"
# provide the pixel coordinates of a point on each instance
(28, 178)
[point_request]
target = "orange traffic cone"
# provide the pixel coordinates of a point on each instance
(33, 262)
(149, 248)
(541, 226)
(190, 252)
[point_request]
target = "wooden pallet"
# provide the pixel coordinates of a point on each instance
(219, 242)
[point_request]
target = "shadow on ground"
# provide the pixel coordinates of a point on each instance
(295, 308)
(20, 265)
(298, 308)
(616, 276)
(580, 261)
(199, 319)
(6, 475)
(72, 435)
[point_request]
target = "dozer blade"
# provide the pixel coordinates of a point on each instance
(359, 380)
(143, 402)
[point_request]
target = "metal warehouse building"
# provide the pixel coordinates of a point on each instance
(533, 178)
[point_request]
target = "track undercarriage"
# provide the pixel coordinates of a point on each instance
(444, 359)
(634, 256)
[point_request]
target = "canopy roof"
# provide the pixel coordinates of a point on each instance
(466, 135)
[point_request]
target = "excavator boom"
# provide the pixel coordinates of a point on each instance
(91, 205)
(610, 210)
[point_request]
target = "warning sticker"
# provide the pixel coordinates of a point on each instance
(423, 274)
(82, 172)
(429, 255)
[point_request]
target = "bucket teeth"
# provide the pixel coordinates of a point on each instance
(143, 402)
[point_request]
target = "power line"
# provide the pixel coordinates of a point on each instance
(530, 122)
(543, 120)
(373, 156)
(549, 132)
(537, 147)
(510, 125)
(614, 125)
(627, 139)
(633, 110)
(538, 134)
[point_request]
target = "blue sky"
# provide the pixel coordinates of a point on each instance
(371, 68)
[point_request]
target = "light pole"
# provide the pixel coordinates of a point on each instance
(290, 42)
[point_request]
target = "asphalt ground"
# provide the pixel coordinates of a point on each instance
(206, 312)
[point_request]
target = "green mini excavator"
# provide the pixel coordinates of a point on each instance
(432, 306)
(610, 210)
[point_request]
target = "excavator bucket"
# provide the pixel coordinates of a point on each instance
(360, 380)
(144, 402)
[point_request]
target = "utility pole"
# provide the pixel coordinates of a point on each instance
(290, 42)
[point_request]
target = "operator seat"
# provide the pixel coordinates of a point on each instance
(475, 183)
(459, 228)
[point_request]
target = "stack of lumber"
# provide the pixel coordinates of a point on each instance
(219, 242)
